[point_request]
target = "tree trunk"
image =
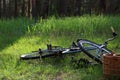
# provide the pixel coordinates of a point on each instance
(45, 8)
(26, 8)
(102, 6)
(0, 8)
(30, 8)
(4, 8)
(34, 14)
(16, 12)
(63, 6)
(108, 6)
(23, 7)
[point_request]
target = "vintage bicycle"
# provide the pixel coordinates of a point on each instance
(91, 49)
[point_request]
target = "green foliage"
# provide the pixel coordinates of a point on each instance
(19, 36)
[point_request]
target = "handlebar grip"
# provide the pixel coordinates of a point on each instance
(113, 30)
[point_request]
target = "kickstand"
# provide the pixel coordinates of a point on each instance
(40, 54)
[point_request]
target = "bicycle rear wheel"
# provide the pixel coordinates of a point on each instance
(93, 50)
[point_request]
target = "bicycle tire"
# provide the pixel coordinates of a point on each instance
(36, 55)
(83, 42)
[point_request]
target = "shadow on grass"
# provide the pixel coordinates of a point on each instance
(12, 29)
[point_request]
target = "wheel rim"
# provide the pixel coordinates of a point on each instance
(34, 54)
(93, 49)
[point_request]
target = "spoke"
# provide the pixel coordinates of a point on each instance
(98, 53)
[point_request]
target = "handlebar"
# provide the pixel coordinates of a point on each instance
(114, 35)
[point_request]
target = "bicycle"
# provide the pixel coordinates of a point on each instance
(91, 49)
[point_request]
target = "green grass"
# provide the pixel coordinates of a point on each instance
(19, 36)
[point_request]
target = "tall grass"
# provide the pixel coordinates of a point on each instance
(19, 36)
(85, 25)
(96, 28)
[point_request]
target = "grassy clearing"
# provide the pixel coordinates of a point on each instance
(19, 36)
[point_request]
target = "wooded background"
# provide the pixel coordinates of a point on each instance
(44, 8)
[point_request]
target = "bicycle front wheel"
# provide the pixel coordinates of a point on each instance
(93, 50)
(36, 55)
(32, 55)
